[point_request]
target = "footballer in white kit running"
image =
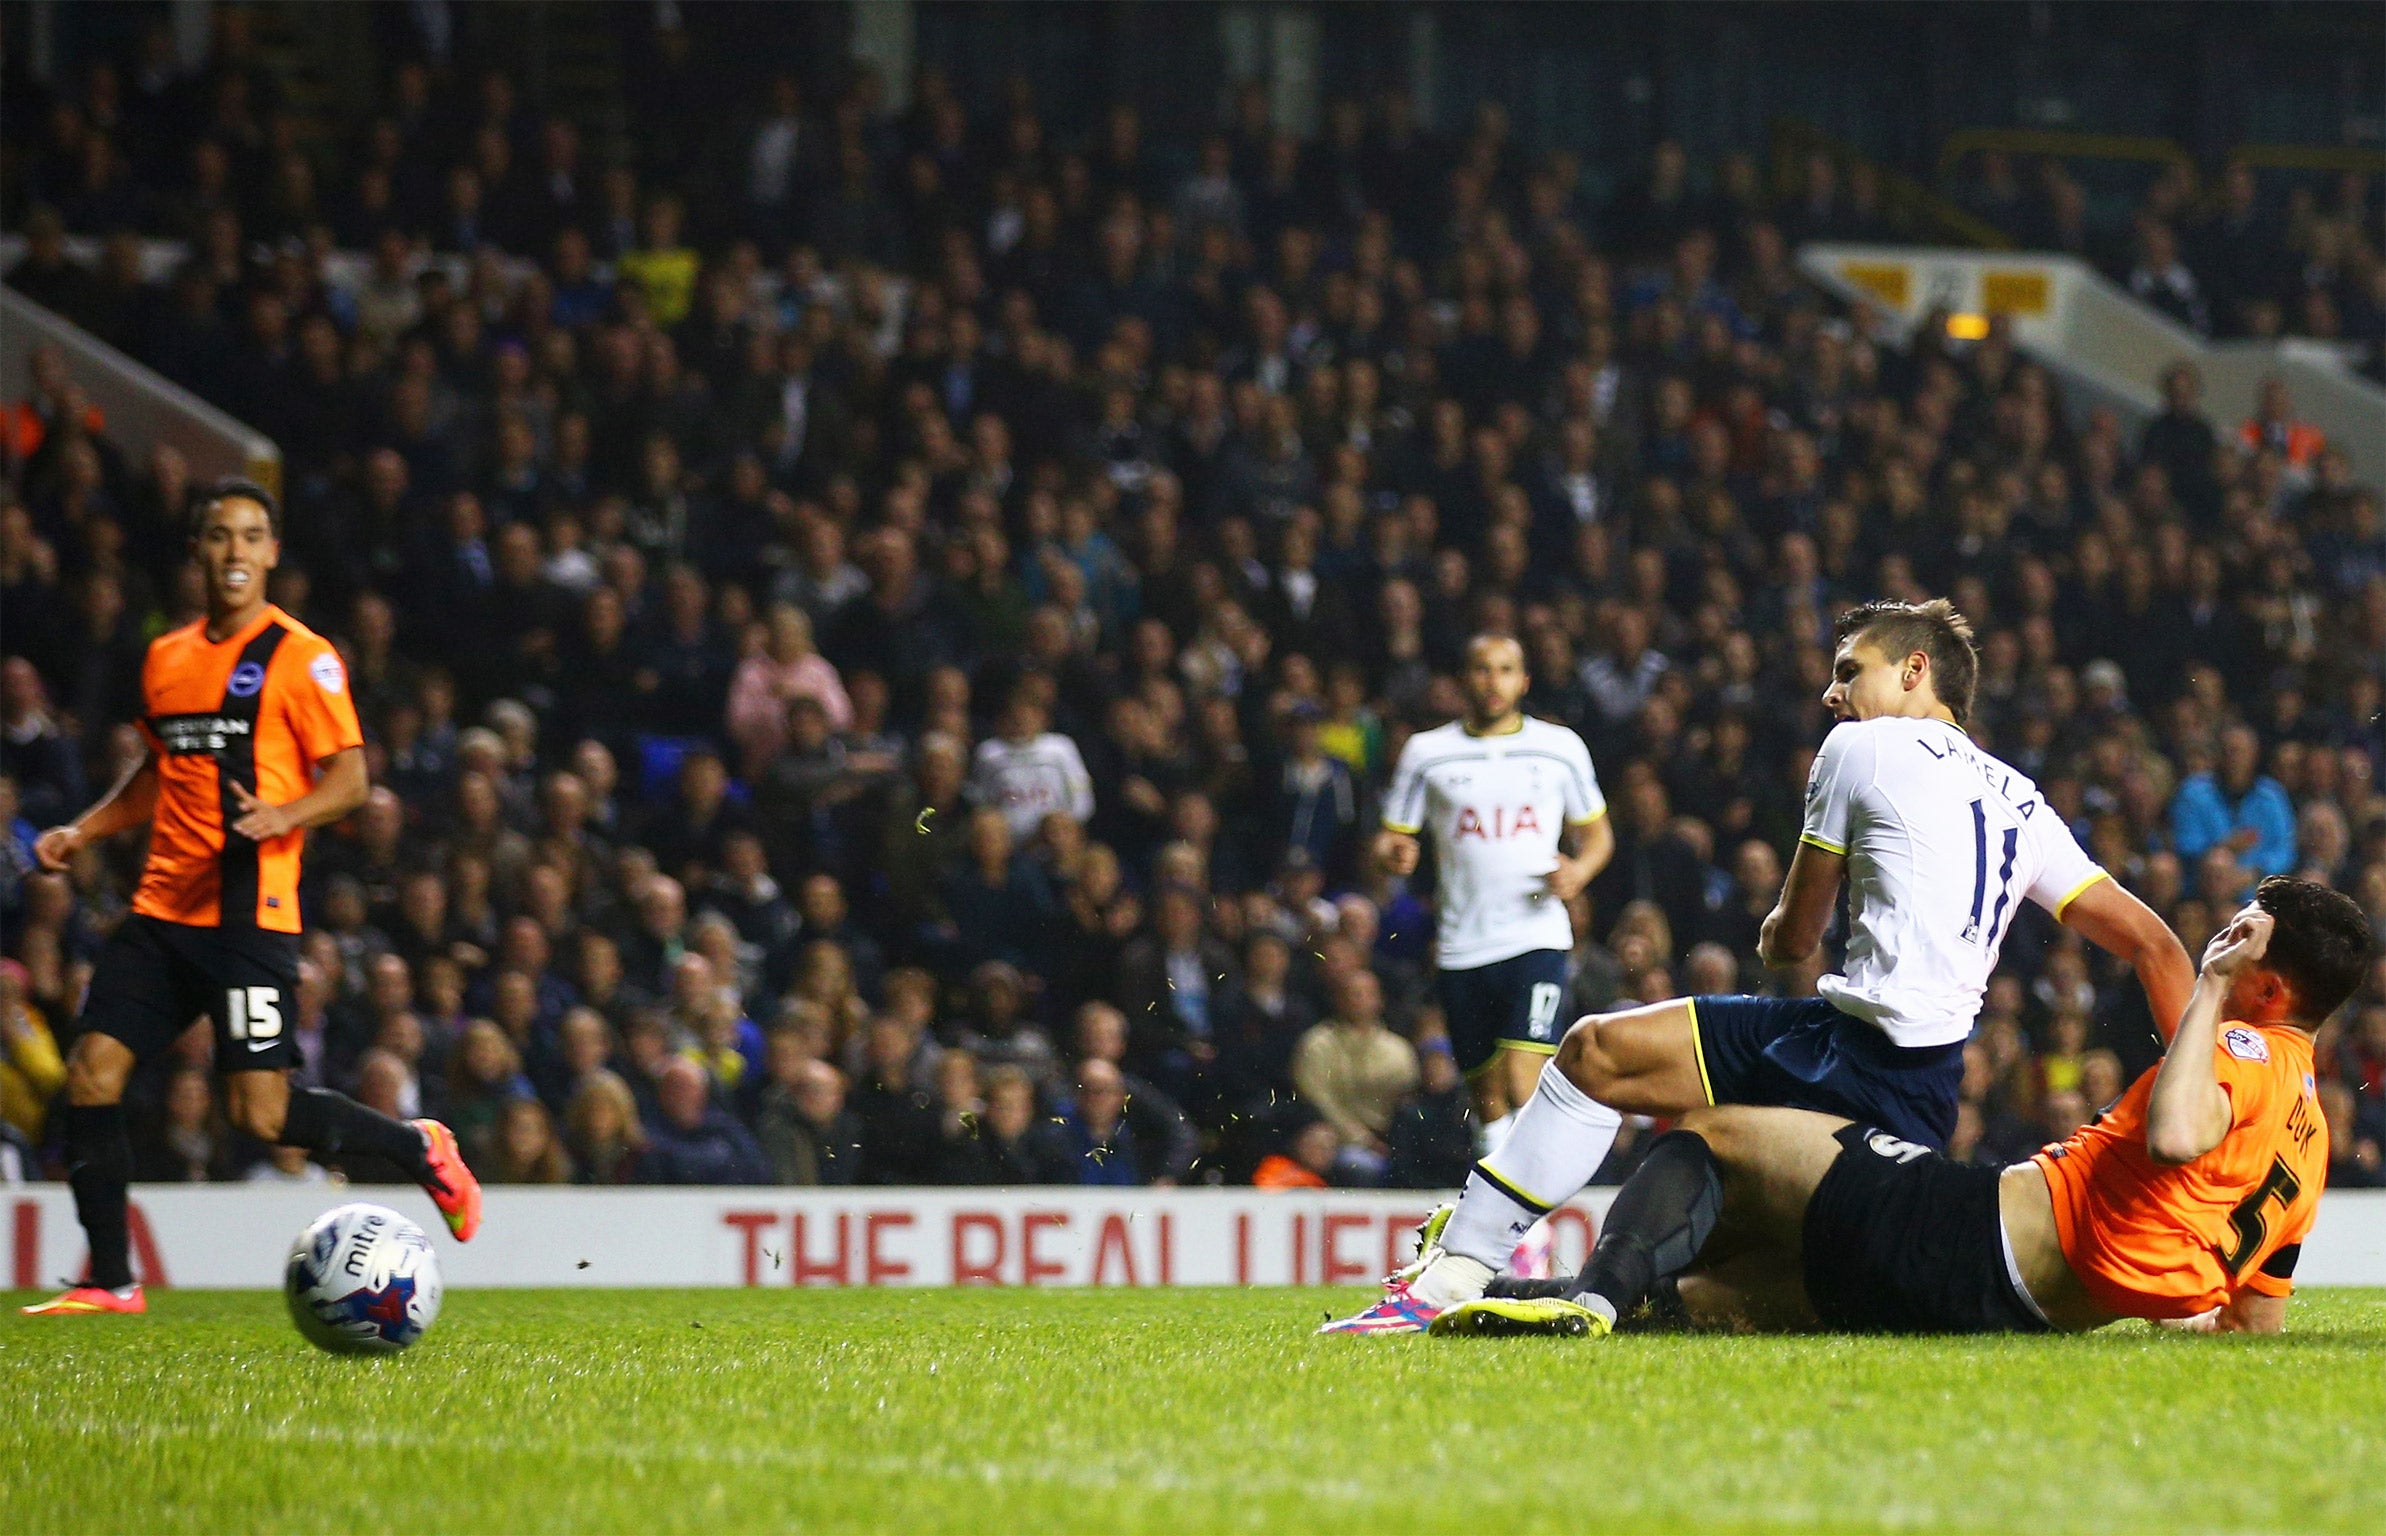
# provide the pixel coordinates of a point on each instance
(1939, 843)
(1518, 828)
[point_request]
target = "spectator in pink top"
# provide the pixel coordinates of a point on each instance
(787, 669)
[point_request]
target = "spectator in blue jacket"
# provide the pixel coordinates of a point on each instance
(2240, 806)
(1099, 1142)
(695, 1141)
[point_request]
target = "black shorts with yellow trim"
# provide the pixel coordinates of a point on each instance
(1508, 1005)
(1803, 1053)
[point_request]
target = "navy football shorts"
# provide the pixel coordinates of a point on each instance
(1803, 1053)
(1510, 1004)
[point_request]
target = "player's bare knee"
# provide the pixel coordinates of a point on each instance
(261, 1118)
(96, 1070)
(1584, 1058)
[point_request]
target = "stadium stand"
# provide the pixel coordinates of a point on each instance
(880, 646)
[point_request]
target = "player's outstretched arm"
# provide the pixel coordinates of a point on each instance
(2188, 1113)
(1794, 928)
(341, 784)
(129, 804)
(2122, 926)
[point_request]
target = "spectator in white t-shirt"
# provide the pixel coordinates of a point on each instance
(1028, 772)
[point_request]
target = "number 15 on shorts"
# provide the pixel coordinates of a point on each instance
(254, 1014)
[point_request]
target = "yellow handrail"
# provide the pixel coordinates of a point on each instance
(2064, 145)
(2312, 157)
(2060, 145)
(1900, 193)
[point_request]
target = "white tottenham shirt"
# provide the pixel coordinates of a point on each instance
(1942, 842)
(1495, 806)
(1029, 781)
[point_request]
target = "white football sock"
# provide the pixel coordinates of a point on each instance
(1554, 1144)
(1451, 1279)
(1492, 1133)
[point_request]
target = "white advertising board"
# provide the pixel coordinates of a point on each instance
(236, 1236)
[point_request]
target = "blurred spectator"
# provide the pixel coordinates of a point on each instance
(2238, 808)
(42, 760)
(1310, 1155)
(1015, 1145)
(694, 1140)
(2272, 428)
(1354, 1070)
(484, 1076)
(190, 1143)
(2354, 1158)
(1170, 1143)
(603, 1136)
(524, 1149)
(806, 1131)
(31, 1069)
(1099, 1144)
(901, 1139)
(1027, 772)
(1432, 1140)
(786, 668)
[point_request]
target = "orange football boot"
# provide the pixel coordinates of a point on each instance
(90, 1301)
(451, 1185)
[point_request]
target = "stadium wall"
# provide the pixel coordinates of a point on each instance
(142, 408)
(231, 1238)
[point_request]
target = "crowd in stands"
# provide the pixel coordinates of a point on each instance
(2225, 256)
(884, 674)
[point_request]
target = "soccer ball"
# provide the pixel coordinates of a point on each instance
(363, 1280)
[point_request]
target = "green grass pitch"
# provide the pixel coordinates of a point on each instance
(1186, 1411)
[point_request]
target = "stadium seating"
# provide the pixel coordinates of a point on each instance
(690, 523)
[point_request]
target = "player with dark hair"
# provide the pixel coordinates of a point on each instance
(252, 739)
(1519, 826)
(2186, 1202)
(1938, 843)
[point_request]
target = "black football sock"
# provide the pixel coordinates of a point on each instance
(1666, 1312)
(99, 1164)
(328, 1124)
(1660, 1220)
(1519, 1288)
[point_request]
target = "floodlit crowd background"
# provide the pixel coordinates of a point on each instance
(881, 635)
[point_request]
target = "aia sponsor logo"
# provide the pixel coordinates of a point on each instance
(1498, 826)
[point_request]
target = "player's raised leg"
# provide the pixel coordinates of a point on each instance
(329, 1124)
(1749, 1171)
(1644, 1060)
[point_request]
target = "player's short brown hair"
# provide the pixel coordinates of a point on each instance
(235, 488)
(2321, 945)
(1935, 629)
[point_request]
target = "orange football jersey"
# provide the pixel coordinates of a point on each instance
(260, 709)
(2151, 1240)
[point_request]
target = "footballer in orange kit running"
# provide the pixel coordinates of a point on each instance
(2185, 1203)
(252, 739)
